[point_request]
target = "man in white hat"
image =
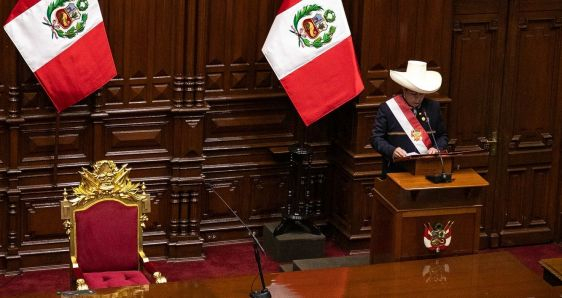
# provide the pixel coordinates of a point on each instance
(408, 123)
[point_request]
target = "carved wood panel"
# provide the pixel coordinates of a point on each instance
(531, 132)
(252, 123)
(376, 48)
(146, 49)
(191, 129)
(36, 223)
(125, 135)
(350, 210)
(235, 65)
(532, 128)
(342, 209)
(213, 210)
(38, 140)
(538, 5)
(215, 215)
(28, 98)
(268, 196)
(365, 193)
(476, 77)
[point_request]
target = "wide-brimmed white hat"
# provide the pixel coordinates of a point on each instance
(417, 78)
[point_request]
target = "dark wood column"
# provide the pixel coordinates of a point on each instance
(10, 120)
(13, 259)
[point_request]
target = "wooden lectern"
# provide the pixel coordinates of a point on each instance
(427, 164)
(404, 202)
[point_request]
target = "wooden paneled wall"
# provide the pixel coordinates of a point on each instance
(196, 112)
(506, 86)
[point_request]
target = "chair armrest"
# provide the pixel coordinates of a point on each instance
(158, 277)
(80, 281)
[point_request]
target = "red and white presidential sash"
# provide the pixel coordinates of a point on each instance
(409, 123)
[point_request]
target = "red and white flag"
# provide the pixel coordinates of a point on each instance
(310, 49)
(65, 45)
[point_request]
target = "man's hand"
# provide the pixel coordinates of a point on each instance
(432, 150)
(399, 153)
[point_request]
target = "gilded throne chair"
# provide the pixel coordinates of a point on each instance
(104, 219)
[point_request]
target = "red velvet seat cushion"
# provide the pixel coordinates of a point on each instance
(113, 279)
(106, 237)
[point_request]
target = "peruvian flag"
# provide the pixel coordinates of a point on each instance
(310, 49)
(65, 45)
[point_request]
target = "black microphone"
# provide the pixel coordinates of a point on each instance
(264, 292)
(442, 177)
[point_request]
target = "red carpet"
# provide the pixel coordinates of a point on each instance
(229, 260)
(237, 259)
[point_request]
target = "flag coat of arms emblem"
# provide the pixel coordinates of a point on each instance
(65, 44)
(310, 49)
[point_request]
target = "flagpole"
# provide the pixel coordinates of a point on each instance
(56, 154)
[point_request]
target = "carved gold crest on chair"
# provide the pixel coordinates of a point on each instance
(105, 181)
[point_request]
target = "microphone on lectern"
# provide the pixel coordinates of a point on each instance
(264, 292)
(441, 177)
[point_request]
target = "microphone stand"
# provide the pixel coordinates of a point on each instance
(264, 292)
(442, 177)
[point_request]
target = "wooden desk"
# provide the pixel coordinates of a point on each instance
(552, 271)
(403, 203)
(477, 275)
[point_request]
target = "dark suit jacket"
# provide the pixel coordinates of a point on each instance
(386, 123)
